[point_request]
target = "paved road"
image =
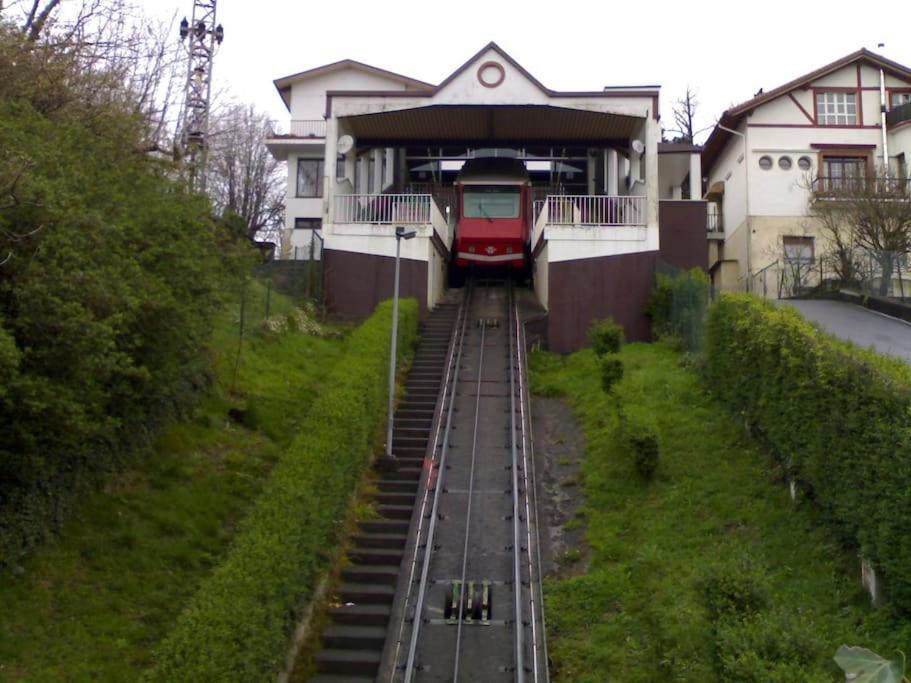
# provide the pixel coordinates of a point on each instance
(859, 325)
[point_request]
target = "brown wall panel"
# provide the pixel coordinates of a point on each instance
(583, 290)
(355, 283)
(682, 234)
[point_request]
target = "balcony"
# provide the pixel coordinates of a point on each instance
(714, 224)
(399, 209)
(299, 129)
(899, 115)
(844, 188)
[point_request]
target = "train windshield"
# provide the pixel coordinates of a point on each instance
(491, 201)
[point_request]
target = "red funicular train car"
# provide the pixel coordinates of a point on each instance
(494, 214)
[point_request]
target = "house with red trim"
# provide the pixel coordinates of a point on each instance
(812, 138)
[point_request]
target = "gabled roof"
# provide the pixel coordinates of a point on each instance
(416, 87)
(283, 85)
(732, 117)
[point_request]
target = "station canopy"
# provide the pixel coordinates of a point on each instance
(492, 124)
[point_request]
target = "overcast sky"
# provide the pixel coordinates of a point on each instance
(725, 50)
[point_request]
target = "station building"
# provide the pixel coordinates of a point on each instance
(369, 150)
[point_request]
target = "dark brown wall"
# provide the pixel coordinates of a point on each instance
(583, 290)
(355, 283)
(682, 234)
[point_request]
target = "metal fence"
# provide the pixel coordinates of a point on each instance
(679, 304)
(595, 210)
(383, 208)
(883, 274)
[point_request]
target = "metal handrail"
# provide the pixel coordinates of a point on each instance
(835, 185)
(299, 128)
(398, 209)
(596, 210)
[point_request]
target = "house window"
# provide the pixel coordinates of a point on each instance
(897, 99)
(836, 108)
(798, 249)
(309, 177)
(784, 163)
(804, 163)
(765, 162)
(340, 167)
(308, 223)
(843, 173)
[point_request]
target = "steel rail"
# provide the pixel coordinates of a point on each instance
(516, 527)
(431, 530)
(535, 579)
(474, 450)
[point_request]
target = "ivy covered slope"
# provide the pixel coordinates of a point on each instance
(707, 571)
(109, 281)
(237, 625)
(838, 418)
(91, 605)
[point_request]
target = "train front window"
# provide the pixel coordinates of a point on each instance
(491, 201)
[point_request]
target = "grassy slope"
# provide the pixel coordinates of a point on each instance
(636, 614)
(92, 606)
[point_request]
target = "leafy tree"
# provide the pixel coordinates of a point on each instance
(864, 216)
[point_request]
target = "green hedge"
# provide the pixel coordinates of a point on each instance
(237, 626)
(838, 417)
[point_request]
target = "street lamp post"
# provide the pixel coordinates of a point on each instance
(400, 233)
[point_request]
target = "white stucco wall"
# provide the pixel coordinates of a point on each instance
(308, 98)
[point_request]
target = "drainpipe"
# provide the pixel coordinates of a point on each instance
(882, 119)
(746, 163)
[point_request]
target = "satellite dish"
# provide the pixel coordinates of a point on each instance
(638, 147)
(345, 144)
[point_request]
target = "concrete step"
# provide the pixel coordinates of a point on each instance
(395, 511)
(404, 474)
(340, 678)
(376, 556)
(396, 498)
(372, 573)
(354, 637)
(363, 662)
(374, 540)
(383, 526)
(366, 593)
(396, 486)
(361, 615)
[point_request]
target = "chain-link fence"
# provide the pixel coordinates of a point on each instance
(679, 303)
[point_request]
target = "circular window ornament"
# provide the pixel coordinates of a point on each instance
(491, 74)
(785, 163)
(804, 163)
(765, 162)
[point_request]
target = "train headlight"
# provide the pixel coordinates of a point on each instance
(508, 250)
(470, 250)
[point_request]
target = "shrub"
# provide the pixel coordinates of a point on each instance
(736, 586)
(774, 646)
(236, 626)
(639, 437)
(838, 417)
(611, 372)
(606, 336)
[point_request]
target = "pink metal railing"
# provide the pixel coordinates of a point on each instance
(595, 210)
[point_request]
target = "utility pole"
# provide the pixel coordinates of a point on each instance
(201, 36)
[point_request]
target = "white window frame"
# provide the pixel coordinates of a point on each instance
(836, 108)
(802, 251)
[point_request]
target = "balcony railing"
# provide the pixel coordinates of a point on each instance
(299, 128)
(714, 222)
(592, 210)
(847, 187)
(400, 209)
(899, 115)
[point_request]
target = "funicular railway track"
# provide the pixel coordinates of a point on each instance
(467, 603)
(471, 608)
